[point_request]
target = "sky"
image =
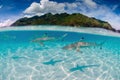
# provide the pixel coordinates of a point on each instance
(107, 10)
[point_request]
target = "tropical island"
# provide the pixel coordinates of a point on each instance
(64, 19)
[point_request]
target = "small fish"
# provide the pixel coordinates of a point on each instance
(52, 62)
(81, 68)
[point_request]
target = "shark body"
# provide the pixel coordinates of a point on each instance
(52, 62)
(81, 68)
(77, 45)
(45, 38)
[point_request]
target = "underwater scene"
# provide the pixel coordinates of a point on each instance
(58, 55)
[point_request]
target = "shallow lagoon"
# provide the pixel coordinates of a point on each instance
(22, 59)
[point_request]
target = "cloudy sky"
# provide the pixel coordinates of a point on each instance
(107, 10)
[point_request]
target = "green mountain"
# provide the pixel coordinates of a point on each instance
(64, 19)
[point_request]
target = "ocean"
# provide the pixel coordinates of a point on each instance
(47, 54)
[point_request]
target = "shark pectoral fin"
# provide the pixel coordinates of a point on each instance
(81, 70)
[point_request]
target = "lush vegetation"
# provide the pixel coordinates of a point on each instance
(63, 19)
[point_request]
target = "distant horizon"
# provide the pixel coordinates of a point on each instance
(105, 10)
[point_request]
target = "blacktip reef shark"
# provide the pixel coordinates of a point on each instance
(81, 68)
(79, 44)
(45, 38)
(52, 62)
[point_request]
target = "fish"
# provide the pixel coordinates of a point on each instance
(52, 62)
(45, 38)
(81, 68)
(77, 45)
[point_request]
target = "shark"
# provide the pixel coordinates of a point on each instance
(52, 62)
(77, 45)
(45, 38)
(81, 68)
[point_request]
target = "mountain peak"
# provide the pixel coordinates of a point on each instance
(64, 19)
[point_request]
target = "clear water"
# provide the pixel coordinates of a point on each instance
(21, 59)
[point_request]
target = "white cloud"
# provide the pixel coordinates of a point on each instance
(6, 23)
(45, 6)
(106, 14)
(34, 8)
(90, 3)
(87, 7)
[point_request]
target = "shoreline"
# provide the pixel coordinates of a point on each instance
(96, 31)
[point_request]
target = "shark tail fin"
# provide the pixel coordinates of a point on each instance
(100, 44)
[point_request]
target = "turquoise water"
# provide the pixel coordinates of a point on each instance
(23, 59)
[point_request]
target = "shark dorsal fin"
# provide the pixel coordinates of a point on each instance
(77, 65)
(81, 39)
